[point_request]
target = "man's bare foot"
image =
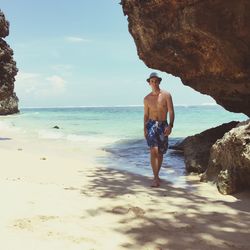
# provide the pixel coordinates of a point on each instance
(159, 179)
(155, 183)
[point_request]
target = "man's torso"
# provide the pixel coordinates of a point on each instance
(157, 105)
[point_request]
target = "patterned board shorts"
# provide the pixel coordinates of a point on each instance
(155, 135)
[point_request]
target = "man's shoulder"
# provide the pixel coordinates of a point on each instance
(147, 96)
(166, 93)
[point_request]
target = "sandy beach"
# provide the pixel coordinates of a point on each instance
(55, 198)
(82, 85)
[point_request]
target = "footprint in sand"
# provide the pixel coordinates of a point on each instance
(23, 224)
(38, 224)
(137, 211)
(71, 188)
(119, 210)
(31, 222)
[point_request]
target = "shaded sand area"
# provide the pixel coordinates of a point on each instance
(53, 197)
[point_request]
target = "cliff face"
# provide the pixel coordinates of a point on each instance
(205, 43)
(8, 70)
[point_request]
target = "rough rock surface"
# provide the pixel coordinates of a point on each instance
(8, 70)
(196, 148)
(229, 162)
(205, 43)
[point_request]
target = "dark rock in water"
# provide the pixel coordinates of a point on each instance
(205, 43)
(196, 148)
(8, 70)
(229, 162)
(56, 127)
(178, 146)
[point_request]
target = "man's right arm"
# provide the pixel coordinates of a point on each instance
(146, 116)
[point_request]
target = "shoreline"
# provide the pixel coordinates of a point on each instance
(68, 201)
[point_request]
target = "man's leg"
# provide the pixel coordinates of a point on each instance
(160, 159)
(163, 146)
(154, 157)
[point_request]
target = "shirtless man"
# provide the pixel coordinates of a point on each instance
(157, 104)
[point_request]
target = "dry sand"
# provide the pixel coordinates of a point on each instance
(53, 198)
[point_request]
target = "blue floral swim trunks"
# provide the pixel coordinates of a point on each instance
(155, 135)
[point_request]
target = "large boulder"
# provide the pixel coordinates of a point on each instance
(205, 43)
(196, 148)
(8, 71)
(229, 162)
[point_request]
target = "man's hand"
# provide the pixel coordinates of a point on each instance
(145, 133)
(167, 130)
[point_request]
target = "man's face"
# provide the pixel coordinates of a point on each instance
(154, 82)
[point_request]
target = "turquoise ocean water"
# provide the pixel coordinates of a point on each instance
(117, 130)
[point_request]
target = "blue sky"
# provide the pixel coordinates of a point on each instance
(80, 53)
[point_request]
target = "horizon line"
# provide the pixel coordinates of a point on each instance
(116, 106)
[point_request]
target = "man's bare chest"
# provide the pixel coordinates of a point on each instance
(156, 102)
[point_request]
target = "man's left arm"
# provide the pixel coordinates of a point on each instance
(170, 106)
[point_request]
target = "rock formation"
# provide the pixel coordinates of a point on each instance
(8, 70)
(229, 162)
(196, 148)
(205, 43)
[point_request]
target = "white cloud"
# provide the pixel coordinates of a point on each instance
(57, 83)
(39, 85)
(76, 39)
(26, 81)
(65, 70)
(24, 76)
